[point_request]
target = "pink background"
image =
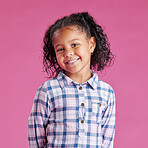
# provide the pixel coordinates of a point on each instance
(22, 27)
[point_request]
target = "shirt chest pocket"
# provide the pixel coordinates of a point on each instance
(97, 112)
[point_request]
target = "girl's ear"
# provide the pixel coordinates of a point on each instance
(92, 43)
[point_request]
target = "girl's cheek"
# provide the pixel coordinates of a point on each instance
(59, 58)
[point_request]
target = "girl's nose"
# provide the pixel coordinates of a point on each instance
(68, 53)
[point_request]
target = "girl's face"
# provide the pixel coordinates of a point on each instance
(73, 50)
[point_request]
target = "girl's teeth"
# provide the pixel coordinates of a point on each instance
(72, 61)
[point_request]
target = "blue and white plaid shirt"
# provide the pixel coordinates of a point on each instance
(68, 114)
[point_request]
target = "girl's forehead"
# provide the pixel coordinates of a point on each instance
(73, 29)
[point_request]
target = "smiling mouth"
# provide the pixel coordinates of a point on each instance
(70, 62)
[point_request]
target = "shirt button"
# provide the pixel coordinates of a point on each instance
(82, 104)
(80, 87)
(82, 121)
(100, 105)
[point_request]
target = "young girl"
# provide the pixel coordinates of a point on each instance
(75, 108)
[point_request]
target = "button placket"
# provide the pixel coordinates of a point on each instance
(81, 104)
(81, 129)
(81, 112)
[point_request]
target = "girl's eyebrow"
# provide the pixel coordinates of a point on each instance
(74, 39)
(57, 45)
(68, 41)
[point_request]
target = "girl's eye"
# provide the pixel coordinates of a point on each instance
(75, 45)
(60, 50)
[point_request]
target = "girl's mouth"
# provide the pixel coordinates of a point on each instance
(72, 61)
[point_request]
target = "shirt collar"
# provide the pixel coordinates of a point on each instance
(65, 80)
(93, 81)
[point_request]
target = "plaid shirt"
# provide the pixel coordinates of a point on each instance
(68, 114)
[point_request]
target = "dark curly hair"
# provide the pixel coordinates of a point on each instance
(102, 56)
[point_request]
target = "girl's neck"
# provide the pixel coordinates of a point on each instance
(80, 78)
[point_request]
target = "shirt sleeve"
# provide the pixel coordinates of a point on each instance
(38, 118)
(109, 119)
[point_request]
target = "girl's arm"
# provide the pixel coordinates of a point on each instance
(38, 119)
(109, 118)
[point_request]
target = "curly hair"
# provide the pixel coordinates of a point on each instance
(102, 56)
